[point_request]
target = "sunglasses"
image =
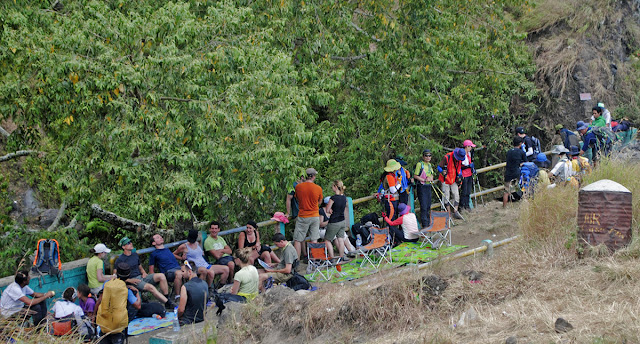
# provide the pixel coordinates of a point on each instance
(426, 155)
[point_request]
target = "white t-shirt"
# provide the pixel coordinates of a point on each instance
(64, 308)
(10, 302)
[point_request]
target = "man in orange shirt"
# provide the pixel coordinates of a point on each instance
(309, 196)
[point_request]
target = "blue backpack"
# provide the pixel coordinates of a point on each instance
(528, 174)
(47, 260)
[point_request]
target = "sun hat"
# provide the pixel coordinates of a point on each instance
(101, 248)
(541, 157)
(279, 217)
(459, 154)
(559, 149)
(403, 209)
(559, 126)
(311, 171)
(124, 241)
(468, 143)
(392, 165)
(520, 130)
(581, 125)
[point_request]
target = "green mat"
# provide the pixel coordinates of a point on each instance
(405, 253)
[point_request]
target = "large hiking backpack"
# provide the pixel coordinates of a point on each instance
(112, 315)
(537, 147)
(605, 138)
(47, 259)
(528, 174)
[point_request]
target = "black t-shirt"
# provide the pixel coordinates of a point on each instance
(515, 157)
(528, 143)
(133, 260)
(339, 203)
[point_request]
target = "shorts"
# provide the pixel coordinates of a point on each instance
(171, 274)
(224, 260)
(509, 185)
(335, 230)
(279, 277)
(264, 248)
(144, 281)
(306, 225)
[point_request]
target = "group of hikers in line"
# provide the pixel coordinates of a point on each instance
(111, 301)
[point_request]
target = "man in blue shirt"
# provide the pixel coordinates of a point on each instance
(166, 262)
(590, 140)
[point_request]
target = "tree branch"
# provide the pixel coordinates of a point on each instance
(116, 220)
(349, 58)
(17, 154)
(359, 29)
(4, 132)
(184, 100)
(56, 221)
(480, 71)
(73, 222)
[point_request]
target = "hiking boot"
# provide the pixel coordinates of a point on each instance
(268, 283)
(456, 215)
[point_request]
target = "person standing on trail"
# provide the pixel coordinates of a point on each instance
(467, 171)
(528, 143)
(424, 175)
(389, 189)
(309, 196)
(568, 137)
(515, 158)
(450, 176)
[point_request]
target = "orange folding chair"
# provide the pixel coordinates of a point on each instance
(379, 246)
(439, 232)
(319, 260)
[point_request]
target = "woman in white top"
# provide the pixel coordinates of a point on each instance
(409, 222)
(67, 308)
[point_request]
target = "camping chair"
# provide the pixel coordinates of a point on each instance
(319, 260)
(379, 245)
(439, 232)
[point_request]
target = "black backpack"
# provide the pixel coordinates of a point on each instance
(298, 282)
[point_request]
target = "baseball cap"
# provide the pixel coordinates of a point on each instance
(559, 126)
(311, 171)
(124, 241)
(426, 152)
(581, 125)
(101, 248)
(520, 130)
(467, 143)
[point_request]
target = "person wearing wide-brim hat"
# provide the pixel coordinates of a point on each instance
(563, 170)
(389, 189)
(450, 176)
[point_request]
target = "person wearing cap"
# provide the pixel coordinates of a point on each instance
(409, 222)
(405, 180)
(597, 118)
(515, 158)
(166, 262)
(309, 196)
(568, 137)
(139, 276)
(215, 246)
(281, 272)
(528, 146)
(19, 297)
(389, 189)
(467, 171)
(591, 146)
(424, 175)
(192, 251)
(250, 237)
(450, 176)
(543, 175)
(95, 268)
(563, 170)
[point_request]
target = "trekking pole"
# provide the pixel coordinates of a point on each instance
(444, 208)
(475, 193)
(480, 190)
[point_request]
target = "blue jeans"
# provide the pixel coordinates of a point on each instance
(424, 196)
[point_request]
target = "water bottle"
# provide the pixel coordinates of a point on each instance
(176, 322)
(358, 241)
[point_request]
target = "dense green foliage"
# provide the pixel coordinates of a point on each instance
(157, 110)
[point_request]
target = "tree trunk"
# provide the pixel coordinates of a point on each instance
(116, 220)
(17, 154)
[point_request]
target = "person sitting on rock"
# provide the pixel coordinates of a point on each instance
(193, 296)
(245, 282)
(250, 238)
(192, 251)
(283, 271)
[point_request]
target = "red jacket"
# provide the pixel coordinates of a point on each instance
(453, 167)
